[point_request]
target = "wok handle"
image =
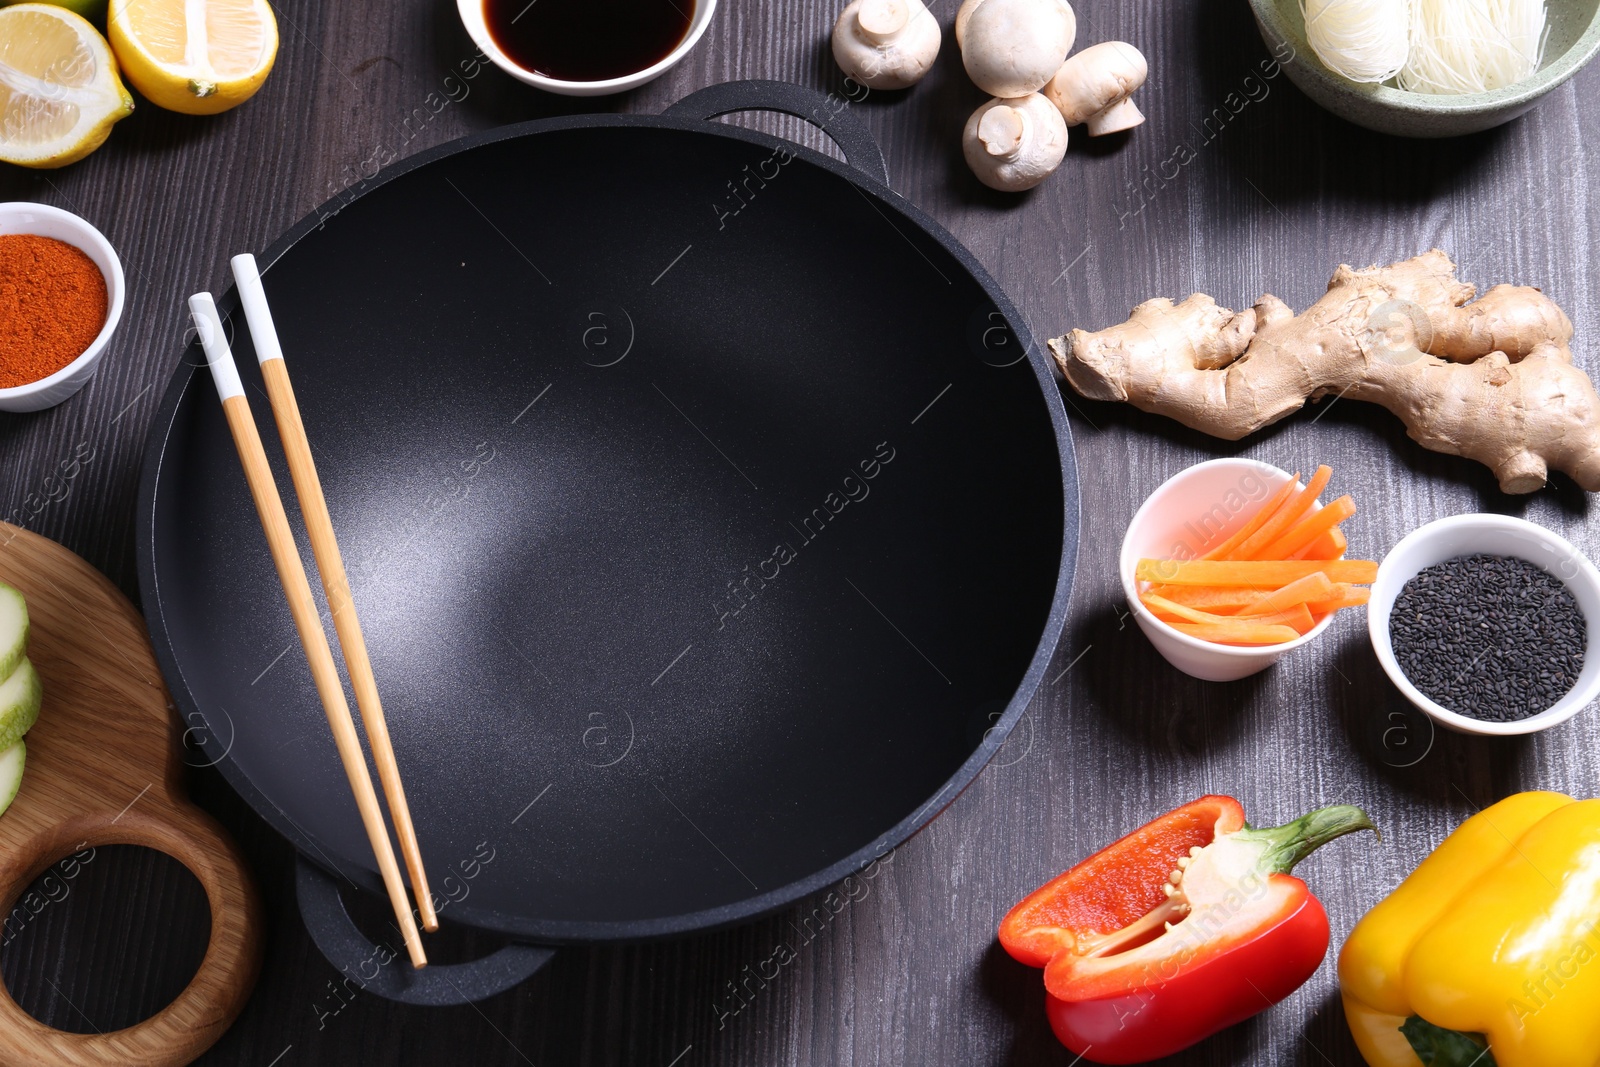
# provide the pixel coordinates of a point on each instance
(384, 970)
(828, 112)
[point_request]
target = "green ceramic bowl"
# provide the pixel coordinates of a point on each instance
(1574, 39)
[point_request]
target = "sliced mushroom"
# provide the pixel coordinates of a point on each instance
(1014, 144)
(1013, 47)
(886, 44)
(1095, 87)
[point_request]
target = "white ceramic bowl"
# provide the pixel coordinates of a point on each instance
(1500, 535)
(472, 18)
(1193, 508)
(44, 221)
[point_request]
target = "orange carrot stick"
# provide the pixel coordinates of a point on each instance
(1299, 504)
(1267, 510)
(1314, 586)
(1330, 545)
(1223, 600)
(1349, 596)
(1296, 617)
(1310, 528)
(1237, 633)
(1253, 574)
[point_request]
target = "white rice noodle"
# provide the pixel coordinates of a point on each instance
(1362, 40)
(1473, 46)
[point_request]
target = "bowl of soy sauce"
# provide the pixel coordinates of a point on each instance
(586, 47)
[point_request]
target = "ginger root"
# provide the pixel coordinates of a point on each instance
(1490, 380)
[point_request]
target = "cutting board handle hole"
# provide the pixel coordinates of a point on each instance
(86, 907)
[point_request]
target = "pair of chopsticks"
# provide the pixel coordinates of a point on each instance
(335, 583)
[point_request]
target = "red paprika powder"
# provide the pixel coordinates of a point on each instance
(52, 306)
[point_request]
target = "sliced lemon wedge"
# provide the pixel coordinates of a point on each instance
(59, 90)
(198, 57)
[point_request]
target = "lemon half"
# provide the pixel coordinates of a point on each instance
(198, 57)
(59, 90)
(93, 10)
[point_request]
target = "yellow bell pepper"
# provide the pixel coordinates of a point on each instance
(1493, 939)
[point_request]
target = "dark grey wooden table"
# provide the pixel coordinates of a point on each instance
(1275, 194)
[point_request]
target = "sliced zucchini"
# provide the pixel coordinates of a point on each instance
(20, 698)
(11, 763)
(13, 629)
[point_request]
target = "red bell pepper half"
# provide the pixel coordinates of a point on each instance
(1188, 925)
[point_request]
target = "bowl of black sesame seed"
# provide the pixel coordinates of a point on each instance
(1484, 622)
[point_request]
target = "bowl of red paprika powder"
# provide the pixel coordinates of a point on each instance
(61, 295)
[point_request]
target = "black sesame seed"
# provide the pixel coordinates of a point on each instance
(1493, 637)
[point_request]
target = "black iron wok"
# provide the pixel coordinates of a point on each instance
(710, 511)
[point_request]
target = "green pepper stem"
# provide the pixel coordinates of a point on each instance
(1292, 842)
(1438, 1047)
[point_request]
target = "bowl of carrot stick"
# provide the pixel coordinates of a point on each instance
(1232, 563)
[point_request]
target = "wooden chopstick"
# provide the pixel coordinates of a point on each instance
(297, 590)
(330, 564)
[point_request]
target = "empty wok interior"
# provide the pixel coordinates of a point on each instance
(696, 550)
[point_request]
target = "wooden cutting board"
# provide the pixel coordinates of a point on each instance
(104, 768)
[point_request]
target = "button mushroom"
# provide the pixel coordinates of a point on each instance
(1012, 47)
(1096, 85)
(1014, 144)
(886, 44)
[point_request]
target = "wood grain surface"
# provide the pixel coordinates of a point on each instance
(103, 768)
(1273, 195)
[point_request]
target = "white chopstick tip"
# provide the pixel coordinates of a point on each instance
(253, 298)
(208, 325)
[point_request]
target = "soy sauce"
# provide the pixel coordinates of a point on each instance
(587, 40)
